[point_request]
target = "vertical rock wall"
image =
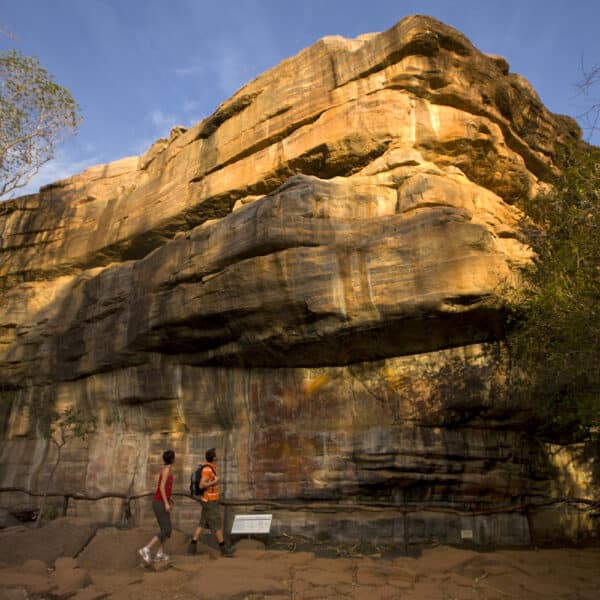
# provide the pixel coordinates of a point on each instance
(312, 280)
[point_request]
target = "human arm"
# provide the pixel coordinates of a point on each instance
(208, 478)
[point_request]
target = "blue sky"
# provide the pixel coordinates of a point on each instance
(137, 68)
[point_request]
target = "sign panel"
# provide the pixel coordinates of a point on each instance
(466, 534)
(246, 524)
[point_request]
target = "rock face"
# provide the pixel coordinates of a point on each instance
(311, 280)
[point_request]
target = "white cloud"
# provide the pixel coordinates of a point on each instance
(140, 146)
(231, 70)
(191, 106)
(226, 66)
(190, 71)
(161, 121)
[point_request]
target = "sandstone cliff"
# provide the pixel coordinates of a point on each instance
(311, 279)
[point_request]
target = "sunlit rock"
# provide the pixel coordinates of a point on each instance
(313, 280)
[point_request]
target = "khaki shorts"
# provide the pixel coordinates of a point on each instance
(211, 516)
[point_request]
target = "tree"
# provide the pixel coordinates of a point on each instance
(35, 115)
(588, 86)
(59, 428)
(555, 338)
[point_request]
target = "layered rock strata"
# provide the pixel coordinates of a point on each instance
(313, 280)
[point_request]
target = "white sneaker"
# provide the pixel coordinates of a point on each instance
(145, 554)
(161, 556)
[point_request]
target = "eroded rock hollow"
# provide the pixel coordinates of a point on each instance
(312, 280)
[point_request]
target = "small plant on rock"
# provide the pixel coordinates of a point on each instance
(60, 428)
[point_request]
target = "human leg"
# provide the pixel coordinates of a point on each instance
(145, 551)
(219, 536)
(214, 522)
(161, 554)
(193, 547)
(226, 549)
(197, 533)
(164, 522)
(204, 523)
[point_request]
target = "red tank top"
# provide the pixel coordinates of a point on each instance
(168, 487)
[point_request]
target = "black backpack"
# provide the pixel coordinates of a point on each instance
(196, 478)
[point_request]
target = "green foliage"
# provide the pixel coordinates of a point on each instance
(61, 426)
(555, 340)
(35, 115)
(459, 387)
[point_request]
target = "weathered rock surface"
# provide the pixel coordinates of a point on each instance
(311, 279)
(60, 538)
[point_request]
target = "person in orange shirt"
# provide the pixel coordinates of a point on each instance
(211, 509)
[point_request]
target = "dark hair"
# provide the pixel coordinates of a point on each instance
(210, 454)
(168, 457)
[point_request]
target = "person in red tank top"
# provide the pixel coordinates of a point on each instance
(161, 505)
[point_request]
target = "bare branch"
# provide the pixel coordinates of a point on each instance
(587, 87)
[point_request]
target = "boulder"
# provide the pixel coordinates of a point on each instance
(64, 537)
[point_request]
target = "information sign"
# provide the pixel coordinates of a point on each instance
(247, 524)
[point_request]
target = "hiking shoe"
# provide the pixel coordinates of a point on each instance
(145, 554)
(227, 551)
(161, 556)
(192, 548)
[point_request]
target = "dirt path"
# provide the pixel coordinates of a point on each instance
(107, 566)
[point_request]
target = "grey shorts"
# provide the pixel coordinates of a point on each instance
(211, 516)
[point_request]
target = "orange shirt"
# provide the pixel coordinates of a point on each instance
(211, 493)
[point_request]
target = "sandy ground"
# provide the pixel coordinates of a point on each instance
(71, 558)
